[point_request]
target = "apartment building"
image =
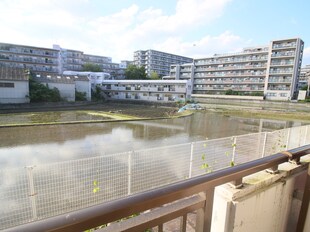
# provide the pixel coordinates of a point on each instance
(159, 62)
(73, 60)
(69, 59)
(304, 76)
(29, 57)
(147, 90)
(54, 61)
(271, 71)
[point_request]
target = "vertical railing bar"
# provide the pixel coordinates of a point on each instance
(129, 171)
(191, 161)
(264, 144)
(183, 223)
(304, 204)
(32, 193)
(161, 228)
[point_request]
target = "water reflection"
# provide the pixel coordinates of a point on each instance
(21, 146)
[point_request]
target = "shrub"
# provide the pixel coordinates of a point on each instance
(80, 96)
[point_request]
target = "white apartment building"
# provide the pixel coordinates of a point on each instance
(29, 57)
(95, 78)
(54, 61)
(148, 90)
(271, 71)
(159, 62)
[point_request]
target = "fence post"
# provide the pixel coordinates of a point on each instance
(191, 161)
(129, 171)
(288, 137)
(264, 144)
(32, 193)
(204, 215)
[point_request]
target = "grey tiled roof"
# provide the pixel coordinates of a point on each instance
(14, 74)
(58, 78)
(52, 78)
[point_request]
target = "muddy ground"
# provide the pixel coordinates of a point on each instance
(139, 110)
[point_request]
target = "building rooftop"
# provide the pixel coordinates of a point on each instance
(48, 78)
(15, 74)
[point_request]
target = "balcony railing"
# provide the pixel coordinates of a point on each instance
(43, 191)
(169, 202)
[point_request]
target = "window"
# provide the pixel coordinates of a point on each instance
(6, 85)
(283, 94)
(271, 94)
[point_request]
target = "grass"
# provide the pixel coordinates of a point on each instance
(74, 117)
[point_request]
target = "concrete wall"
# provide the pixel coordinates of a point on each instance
(84, 86)
(14, 95)
(302, 95)
(67, 91)
(265, 203)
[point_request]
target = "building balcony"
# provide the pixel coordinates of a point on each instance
(280, 72)
(261, 82)
(282, 64)
(250, 59)
(281, 55)
(230, 74)
(279, 80)
(284, 46)
(244, 67)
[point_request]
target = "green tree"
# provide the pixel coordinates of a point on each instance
(154, 76)
(134, 72)
(90, 67)
(39, 92)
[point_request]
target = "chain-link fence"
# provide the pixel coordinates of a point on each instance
(42, 191)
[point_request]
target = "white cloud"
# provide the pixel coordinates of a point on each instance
(69, 24)
(206, 46)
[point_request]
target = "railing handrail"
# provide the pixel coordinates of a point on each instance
(111, 211)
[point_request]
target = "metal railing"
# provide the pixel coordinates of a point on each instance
(43, 191)
(174, 200)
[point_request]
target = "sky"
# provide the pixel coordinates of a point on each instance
(117, 28)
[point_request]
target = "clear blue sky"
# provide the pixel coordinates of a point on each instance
(194, 28)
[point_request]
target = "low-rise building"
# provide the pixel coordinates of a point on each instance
(148, 90)
(14, 85)
(83, 85)
(304, 77)
(65, 85)
(95, 78)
